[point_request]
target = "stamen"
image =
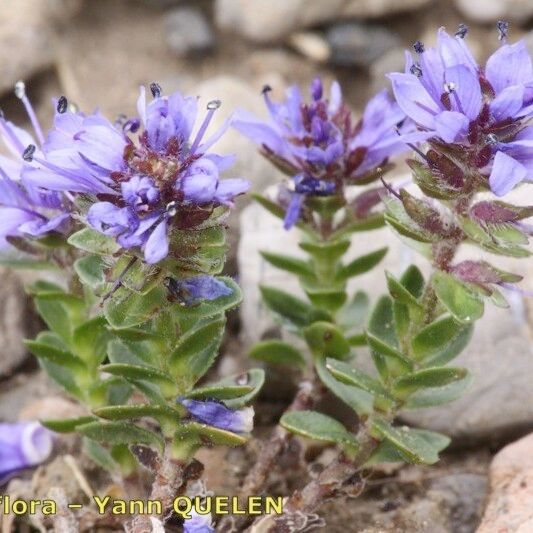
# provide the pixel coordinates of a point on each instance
(212, 106)
(266, 89)
(156, 89)
(133, 125)
(390, 189)
(419, 47)
(27, 155)
(450, 87)
(462, 30)
(172, 208)
(20, 92)
(412, 146)
(503, 29)
(416, 70)
(62, 105)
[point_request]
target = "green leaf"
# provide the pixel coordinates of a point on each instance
(90, 340)
(290, 264)
(99, 455)
(437, 396)
(415, 445)
(56, 356)
(168, 417)
(27, 264)
(320, 427)
(427, 378)
(135, 373)
(277, 352)
(324, 297)
(326, 340)
(460, 300)
(67, 425)
(209, 308)
(90, 270)
(90, 240)
(361, 264)
(211, 435)
(413, 280)
(353, 376)
(196, 350)
(121, 433)
(441, 341)
(400, 293)
(359, 400)
(330, 251)
(381, 337)
(286, 305)
(126, 309)
(219, 392)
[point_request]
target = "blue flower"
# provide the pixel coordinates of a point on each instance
(164, 177)
(485, 110)
(198, 523)
(320, 144)
(214, 413)
(190, 291)
(26, 209)
(22, 445)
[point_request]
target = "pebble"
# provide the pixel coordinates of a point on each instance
(188, 32)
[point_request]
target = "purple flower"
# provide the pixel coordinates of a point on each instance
(164, 177)
(484, 110)
(26, 209)
(191, 291)
(320, 144)
(22, 445)
(198, 523)
(214, 413)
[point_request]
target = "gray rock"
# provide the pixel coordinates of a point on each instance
(188, 32)
(17, 322)
(391, 61)
(359, 45)
(499, 403)
(483, 12)
(511, 490)
(272, 21)
(529, 42)
(27, 32)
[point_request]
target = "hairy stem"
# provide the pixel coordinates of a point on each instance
(168, 481)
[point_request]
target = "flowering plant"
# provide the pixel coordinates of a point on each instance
(133, 215)
(469, 130)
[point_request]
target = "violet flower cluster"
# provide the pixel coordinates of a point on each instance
(145, 185)
(320, 144)
(484, 110)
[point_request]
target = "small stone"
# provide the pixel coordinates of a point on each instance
(262, 21)
(391, 61)
(483, 12)
(312, 45)
(509, 508)
(529, 42)
(188, 32)
(359, 45)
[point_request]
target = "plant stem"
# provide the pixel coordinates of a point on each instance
(169, 479)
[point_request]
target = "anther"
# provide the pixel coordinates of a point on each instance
(449, 87)
(133, 125)
(20, 89)
(503, 29)
(213, 104)
(62, 104)
(419, 47)
(416, 70)
(171, 208)
(266, 89)
(27, 155)
(492, 139)
(156, 89)
(462, 30)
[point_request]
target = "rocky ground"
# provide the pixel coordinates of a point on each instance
(97, 52)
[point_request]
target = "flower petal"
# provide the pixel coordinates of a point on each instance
(506, 173)
(451, 125)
